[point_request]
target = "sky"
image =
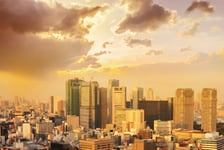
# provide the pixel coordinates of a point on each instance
(158, 44)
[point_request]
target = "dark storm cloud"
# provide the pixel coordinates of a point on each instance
(154, 52)
(32, 55)
(23, 51)
(203, 6)
(33, 16)
(137, 42)
(144, 16)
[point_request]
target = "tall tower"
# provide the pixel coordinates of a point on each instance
(137, 95)
(103, 107)
(72, 96)
(51, 104)
(111, 83)
(149, 95)
(61, 108)
(119, 95)
(209, 105)
(89, 102)
(184, 109)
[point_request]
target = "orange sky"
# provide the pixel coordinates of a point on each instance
(150, 44)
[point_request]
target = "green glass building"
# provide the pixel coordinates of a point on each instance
(72, 96)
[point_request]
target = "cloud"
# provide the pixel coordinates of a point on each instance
(205, 58)
(215, 28)
(105, 44)
(28, 54)
(101, 53)
(184, 49)
(24, 51)
(202, 6)
(198, 58)
(89, 61)
(190, 30)
(137, 42)
(154, 52)
(29, 16)
(144, 16)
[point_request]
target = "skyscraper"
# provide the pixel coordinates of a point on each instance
(149, 95)
(208, 109)
(111, 83)
(72, 96)
(103, 107)
(184, 109)
(51, 104)
(119, 95)
(89, 102)
(155, 110)
(137, 95)
(61, 108)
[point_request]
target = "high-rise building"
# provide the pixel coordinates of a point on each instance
(111, 83)
(183, 112)
(149, 95)
(119, 95)
(16, 101)
(72, 96)
(103, 107)
(43, 107)
(197, 102)
(170, 108)
(155, 110)
(130, 119)
(137, 95)
(89, 104)
(61, 108)
(0, 101)
(209, 105)
(53, 104)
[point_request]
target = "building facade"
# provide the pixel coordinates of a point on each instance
(103, 107)
(208, 109)
(112, 83)
(149, 95)
(155, 110)
(96, 144)
(72, 96)
(118, 100)
(89, 103)
(184, 109)
(137, 95)
(163, 127)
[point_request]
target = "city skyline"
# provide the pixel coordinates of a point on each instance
(149, 44)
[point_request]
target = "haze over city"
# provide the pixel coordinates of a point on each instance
(150, 44)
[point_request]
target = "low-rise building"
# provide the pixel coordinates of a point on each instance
(96, 144)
